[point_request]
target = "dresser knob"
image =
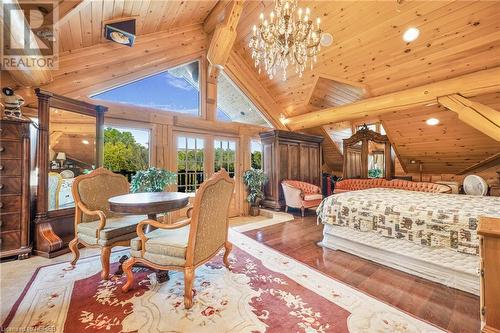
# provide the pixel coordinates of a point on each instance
(1, 204)
(2, 149)
(1, 167)
(1, 186)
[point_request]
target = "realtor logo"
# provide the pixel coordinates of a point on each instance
(29, 39)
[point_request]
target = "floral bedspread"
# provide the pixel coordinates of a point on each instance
(430, 219)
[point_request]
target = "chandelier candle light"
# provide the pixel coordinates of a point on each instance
(288, 37)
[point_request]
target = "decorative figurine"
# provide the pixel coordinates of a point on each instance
(11, 104)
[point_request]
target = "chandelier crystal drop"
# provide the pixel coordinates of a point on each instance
(287, 37)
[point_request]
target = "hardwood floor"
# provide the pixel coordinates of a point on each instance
(447, 308)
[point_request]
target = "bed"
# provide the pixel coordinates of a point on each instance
(430, 235)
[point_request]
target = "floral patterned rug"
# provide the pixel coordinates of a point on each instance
(264, 292)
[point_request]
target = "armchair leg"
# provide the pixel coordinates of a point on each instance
(188, 287)
(105, 254)
(127, 269)
(302, 210)
(286, 209)
(228, 246)
(73, 246)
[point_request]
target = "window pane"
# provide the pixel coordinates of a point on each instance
(175, 90)
(225, 156)
(126, 150)
(256, 151)
(190, 157)
(234, 105)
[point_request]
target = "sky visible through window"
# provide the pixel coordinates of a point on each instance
(174, 90)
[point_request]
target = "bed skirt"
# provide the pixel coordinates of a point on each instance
(442, 265)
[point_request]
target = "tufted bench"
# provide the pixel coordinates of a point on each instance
(347, 185)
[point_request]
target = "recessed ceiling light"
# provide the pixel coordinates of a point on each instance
(411, 34)
(85, 142)
(432, 121)
(326, 39)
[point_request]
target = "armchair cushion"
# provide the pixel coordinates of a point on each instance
(115, 227)
(163, 247)
(310, 197)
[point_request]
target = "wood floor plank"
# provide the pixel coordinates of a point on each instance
(447, 308)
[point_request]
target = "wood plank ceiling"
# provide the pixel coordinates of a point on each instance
(85, 28)
(368, 58)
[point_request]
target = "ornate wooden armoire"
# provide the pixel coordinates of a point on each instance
(289, 155)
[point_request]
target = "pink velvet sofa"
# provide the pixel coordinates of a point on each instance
(301, 195)
(347, 185)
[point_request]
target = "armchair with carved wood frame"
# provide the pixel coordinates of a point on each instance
(95, 224)
(185, 245)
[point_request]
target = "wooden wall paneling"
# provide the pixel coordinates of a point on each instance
(75, 28)
(86, 25)
(97, 27)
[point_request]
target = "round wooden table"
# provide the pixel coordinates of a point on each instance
(149, 204)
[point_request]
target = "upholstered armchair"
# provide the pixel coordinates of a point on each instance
(185, 245)
(301, 195)
(95, 224)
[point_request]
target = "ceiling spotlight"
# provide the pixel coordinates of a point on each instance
(326, 39)
(411, 34)
(85, 142)
(432, 121)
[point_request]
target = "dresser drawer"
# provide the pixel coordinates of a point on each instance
(10, 185)
(10, 131)
(10, 240)
(10, 149)
(10, 167)
(10, 222)
(10, 203)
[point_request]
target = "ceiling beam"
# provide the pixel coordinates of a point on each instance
(224, 35)
(64, 11)
(480, 82)
(490, 162)
(216, 16)
(33, 74)
(481, 117)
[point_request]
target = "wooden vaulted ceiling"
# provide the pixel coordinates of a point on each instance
(367, 59)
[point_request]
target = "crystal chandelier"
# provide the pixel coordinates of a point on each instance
(288, 37)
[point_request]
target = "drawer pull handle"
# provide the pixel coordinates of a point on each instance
(1, 204)
(1, 167)
(2, 149)
(1, 186)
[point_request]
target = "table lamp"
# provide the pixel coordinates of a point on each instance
(61, 157)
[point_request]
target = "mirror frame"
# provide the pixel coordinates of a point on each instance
(54, 229)
(364, 135)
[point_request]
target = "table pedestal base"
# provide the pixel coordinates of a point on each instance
(161, 276)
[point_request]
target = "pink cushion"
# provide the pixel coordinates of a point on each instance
(309, 197)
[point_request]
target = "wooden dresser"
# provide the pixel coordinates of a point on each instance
(289, 155)
(489, 233)
(14, 188)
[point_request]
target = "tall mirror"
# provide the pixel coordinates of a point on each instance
(72, 152)
(368, 154)
(70, 143)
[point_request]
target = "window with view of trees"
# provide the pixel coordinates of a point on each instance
(126, 150)
(256, 151)
(225, 156)
(176, 89)
(190, 167)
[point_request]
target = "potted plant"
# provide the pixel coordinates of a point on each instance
(152, 180)
(254, 179)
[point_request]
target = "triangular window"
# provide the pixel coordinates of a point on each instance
(234, 105)
(175, 90)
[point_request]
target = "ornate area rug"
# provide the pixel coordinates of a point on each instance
(265, 292)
